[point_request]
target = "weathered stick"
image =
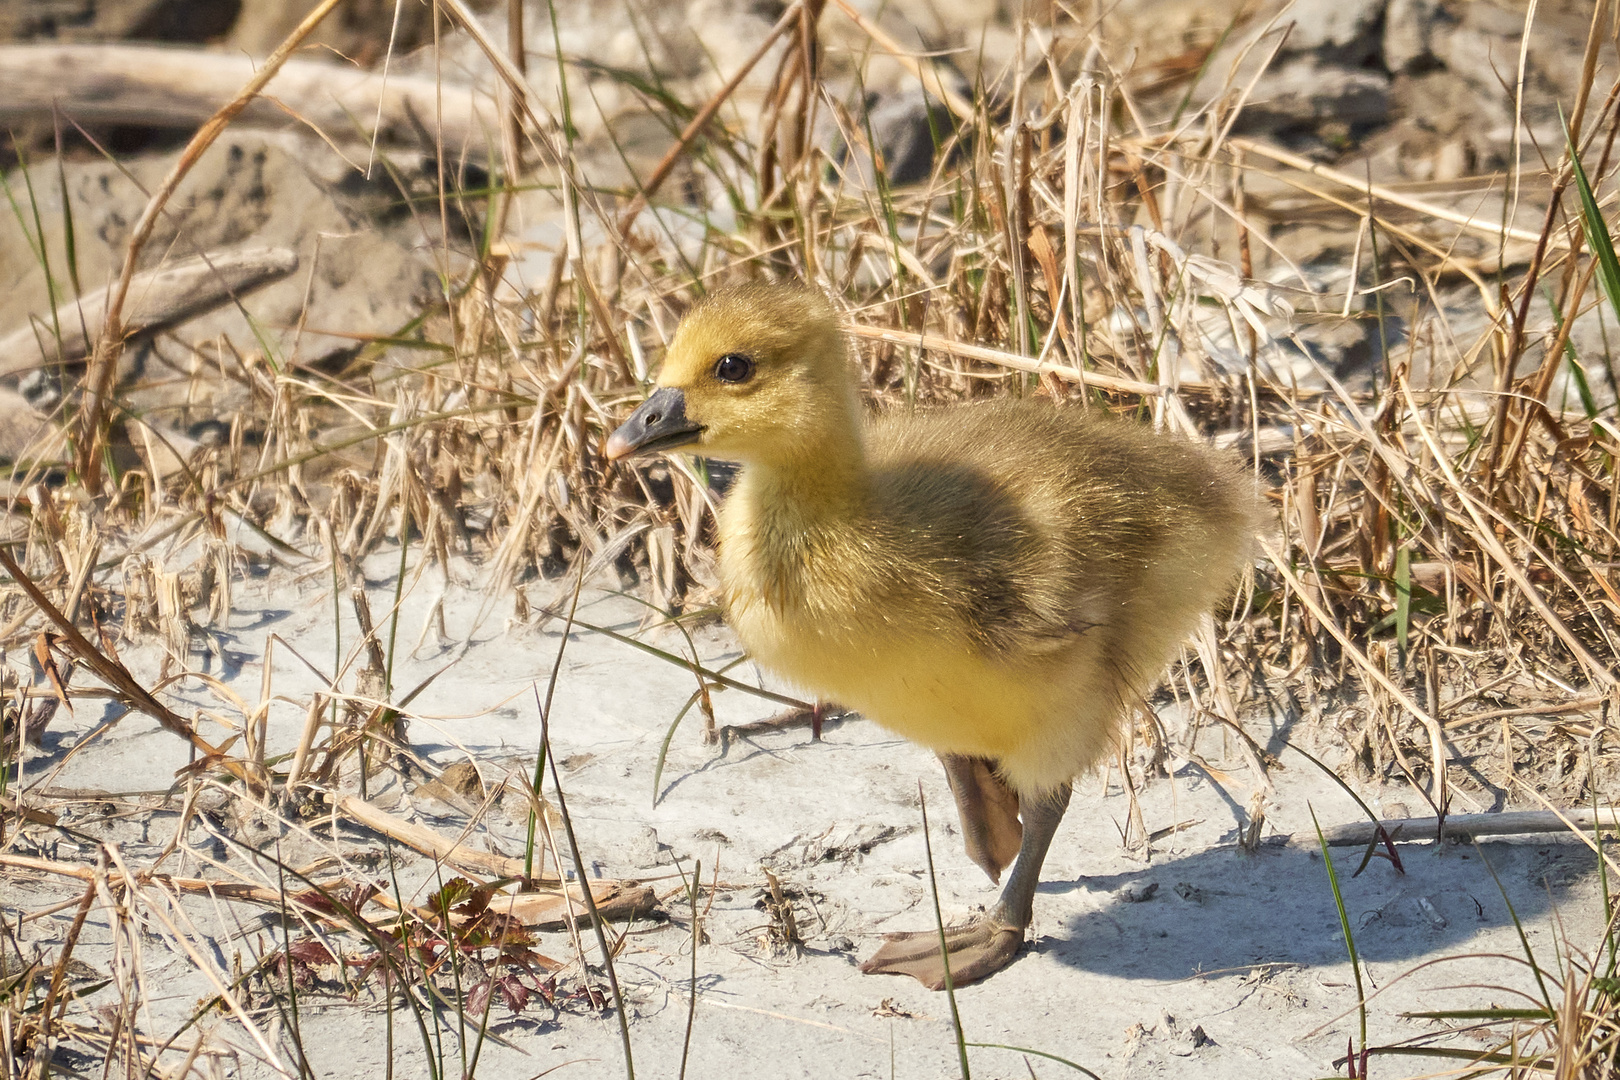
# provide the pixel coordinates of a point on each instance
(158, 298)
(1468, 826)
(181, 88)
(432, 843)
(616, 900)
(546, 909)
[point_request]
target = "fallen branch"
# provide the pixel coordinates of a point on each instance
(616, 901)
(181, 88)
(433, 844)
(1469, 826)
(546, 908)
(162, 297)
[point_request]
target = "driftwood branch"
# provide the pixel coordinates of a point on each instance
(430, 842)
(163, 297)
(455, 852)
(1470, 826)
(545, 908)
(616, 900)
(181, 88)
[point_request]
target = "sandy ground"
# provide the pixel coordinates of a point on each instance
(1193, 958)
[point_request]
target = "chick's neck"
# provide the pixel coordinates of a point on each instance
(817, 478)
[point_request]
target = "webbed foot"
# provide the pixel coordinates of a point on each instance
(976, 950)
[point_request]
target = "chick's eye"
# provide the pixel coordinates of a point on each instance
(733, 368)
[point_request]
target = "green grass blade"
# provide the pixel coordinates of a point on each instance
(1576, 372)
(41, 248)
(1479, 1014)
(707, 673)
(1603, 880)
(1344, 923)
(697, 938)
(1592, 223)
(70, 242)
(1480, 1057)
(399, 594)
(944, 953)
(570, 133)
(1524, 939)
(669, 736)
(1336, 778)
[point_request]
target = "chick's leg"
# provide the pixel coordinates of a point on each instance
(988, 810)
(987, 944)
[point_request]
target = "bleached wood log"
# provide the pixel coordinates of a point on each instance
(618, 901)
(168, 295)
(182, 87)
(1468, 826)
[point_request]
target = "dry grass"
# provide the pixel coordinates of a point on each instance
(1442, 574)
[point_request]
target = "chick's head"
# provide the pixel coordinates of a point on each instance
(755, 374)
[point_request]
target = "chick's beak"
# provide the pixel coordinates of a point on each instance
(660, 424)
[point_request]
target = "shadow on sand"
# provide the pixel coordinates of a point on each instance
(1222, 909)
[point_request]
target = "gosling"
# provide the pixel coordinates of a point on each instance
(995, 581)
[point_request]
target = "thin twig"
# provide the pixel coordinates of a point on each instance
(649, 187)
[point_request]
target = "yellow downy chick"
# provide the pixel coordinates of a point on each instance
(994, 581)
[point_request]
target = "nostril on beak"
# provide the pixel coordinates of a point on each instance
(653, 418)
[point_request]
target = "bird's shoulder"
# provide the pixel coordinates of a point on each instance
(972, 518)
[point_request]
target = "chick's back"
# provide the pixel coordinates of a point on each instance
(1025, 525)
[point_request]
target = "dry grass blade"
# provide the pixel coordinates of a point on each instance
(655, 180)
(124, 685)
(98, 378)
(1002, 358)
(1437, 739)
(959, 105)
(1485, 534)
